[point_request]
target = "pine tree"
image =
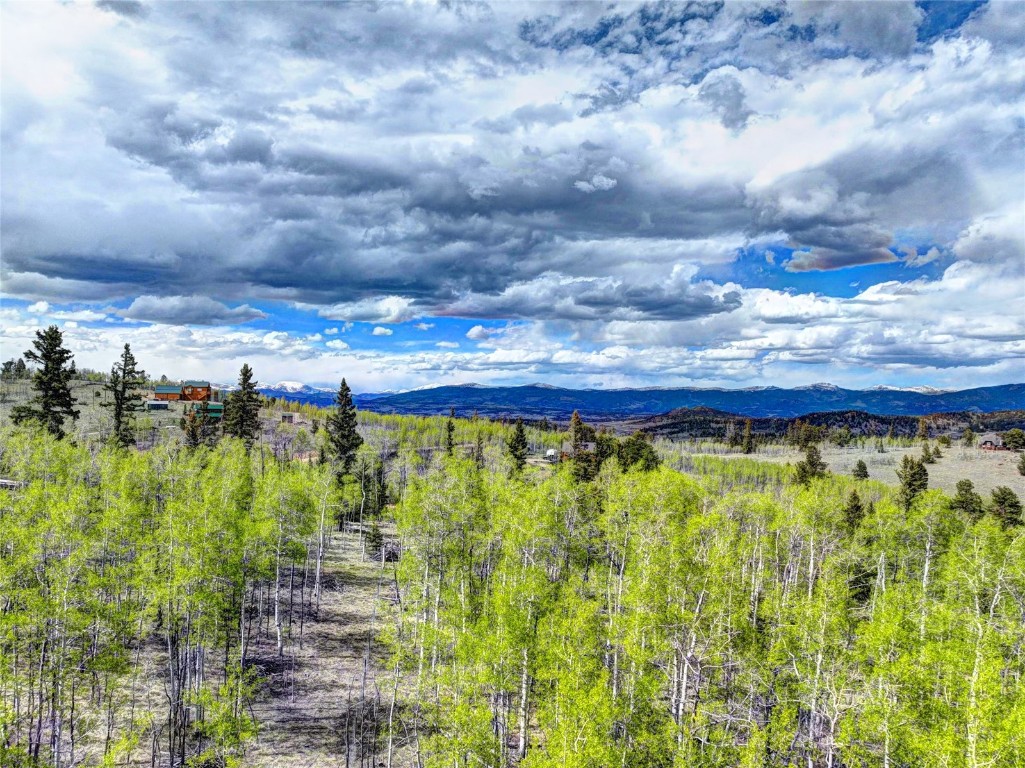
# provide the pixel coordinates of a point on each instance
(518, 447)
(813, 466)
(748, 445)
(927, 457)
(853, 512)
(450, 432)
(1021, 464)
(914, 478)
(576, 432)
(1005, 506)
(968, 438)
(242, 409)
(125, 399)
(478, 452)
(341, 429)
(967, 501)
(860, 470)
(923, 429)
(53, 402)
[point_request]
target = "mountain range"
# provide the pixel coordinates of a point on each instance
(536, 401)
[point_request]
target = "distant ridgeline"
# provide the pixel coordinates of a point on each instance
(537, 401)
(706, 422)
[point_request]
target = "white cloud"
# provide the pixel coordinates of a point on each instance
(381, 331)
(478, 333)
(336, 344)
(447, 344)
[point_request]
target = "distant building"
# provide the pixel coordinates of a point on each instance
(213, 411)
(167, 392)
(991, 441)
(196, 391)
(157, 405)
(191, 391)
(552, 455)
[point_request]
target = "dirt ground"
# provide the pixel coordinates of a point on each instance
(315, 707)
(986, 469)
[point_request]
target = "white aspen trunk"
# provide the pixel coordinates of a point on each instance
(521, 752)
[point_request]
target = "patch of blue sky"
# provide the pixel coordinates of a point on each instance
(943, 17)
(764, 266)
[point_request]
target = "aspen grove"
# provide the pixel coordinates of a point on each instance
(687, 611)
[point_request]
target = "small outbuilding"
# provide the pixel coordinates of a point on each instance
(157, 405)
(552, 455)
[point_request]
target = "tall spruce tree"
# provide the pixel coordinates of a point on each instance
(518, 447)
(1005, 506)
(860, 470)
(748, 443)
(125, 399)
(813, 466)
(341, 428)
(914, 479)
(53, 402)
(242, 409)
(450, 432)
(967, 501)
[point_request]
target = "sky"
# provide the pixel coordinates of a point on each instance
(581, 194)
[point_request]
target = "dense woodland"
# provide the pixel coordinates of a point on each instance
(619, 608)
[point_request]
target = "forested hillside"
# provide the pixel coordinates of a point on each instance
(705, 612)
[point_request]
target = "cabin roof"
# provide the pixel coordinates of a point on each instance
(192, 383)
(167, 388)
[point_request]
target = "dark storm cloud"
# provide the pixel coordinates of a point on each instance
(334, 153)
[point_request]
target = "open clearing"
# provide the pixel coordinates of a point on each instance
(986, 469)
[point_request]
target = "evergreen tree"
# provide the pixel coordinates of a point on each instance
(927, 457)
(518, 447)
(813, 466)
(125, 399)
(968, 437)
(576, 431)
(1005, 506)
(242, 409)
(53, 401)
(923, 429)
(1014, 439)
(853, 512)
(450, 432)
(748, 445)
(914, 478)
(478, 452)
(196, 427)
(860, 470)
(1021, 464)
(341, 428)
(936, 452)
(967, 501)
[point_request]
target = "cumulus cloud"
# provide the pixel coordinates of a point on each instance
(602, 176)
(382, 331)
(189, 310)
